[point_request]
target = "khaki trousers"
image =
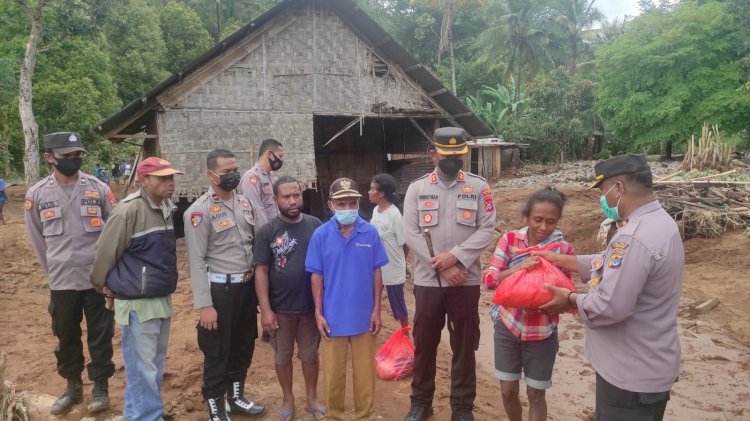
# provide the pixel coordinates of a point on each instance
(335, 353)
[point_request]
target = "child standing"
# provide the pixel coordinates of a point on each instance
(389, 222)
(526, 340)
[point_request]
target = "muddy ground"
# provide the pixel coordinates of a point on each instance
(716, 346)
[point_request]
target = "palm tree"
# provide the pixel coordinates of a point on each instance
(446, 28)
(576, 18)
(610, 29)
(520, 40)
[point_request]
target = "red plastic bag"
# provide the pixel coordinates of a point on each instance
(525, 288)
(395, 359)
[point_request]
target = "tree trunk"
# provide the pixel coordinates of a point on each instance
(573, 57)
(30, 128)
(666, 154)
(517, 87)
(4, 146)
(453, 65)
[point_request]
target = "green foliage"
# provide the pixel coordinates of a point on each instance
(560, 118)
(670, 72)
(184, 36)
(493, 104)
(137, 49)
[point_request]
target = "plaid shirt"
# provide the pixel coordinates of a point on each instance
(526, 325)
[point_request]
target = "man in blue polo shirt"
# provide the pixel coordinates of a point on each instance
(345, 256)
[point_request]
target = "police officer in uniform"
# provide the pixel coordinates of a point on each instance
(630, 311)
(257, 182)
(65, 213)
(457, 208)
(219, 231)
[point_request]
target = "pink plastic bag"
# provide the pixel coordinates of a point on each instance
(525, 288)
(395, 359)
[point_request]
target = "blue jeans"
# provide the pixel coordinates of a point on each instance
(144, 348)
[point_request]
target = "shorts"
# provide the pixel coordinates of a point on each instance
(1, 205)
(535, 358)
(397, 301)
(300, 327)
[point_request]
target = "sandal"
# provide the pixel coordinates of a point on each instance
(317, 413)
(285, 415)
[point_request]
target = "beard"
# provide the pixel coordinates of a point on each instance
(290, 212)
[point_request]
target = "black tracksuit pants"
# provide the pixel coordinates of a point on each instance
(67, 308)
(228, 350)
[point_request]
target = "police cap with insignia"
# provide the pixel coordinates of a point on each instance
(621, 165)
(343, 187)
(63, 142)
(450, 141)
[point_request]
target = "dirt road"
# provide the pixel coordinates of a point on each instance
(716, 355)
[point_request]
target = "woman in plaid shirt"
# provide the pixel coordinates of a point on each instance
(526, 340)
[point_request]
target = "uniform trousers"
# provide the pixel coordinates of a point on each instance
(228, 350)
(335, 353)
(460, 305)
(615, 404)
(67, 309)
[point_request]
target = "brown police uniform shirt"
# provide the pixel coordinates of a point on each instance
(219, 239)
(257, 186)
(461, 220)
(64, 229)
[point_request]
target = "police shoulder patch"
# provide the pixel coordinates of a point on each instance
(28, 204)
(254, 180)
(615, 260)
(196, 218)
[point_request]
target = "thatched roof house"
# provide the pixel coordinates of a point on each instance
(320, 76)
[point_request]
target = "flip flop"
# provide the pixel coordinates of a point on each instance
(317, 413)
(285, 415)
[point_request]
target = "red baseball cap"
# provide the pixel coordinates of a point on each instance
(156, 166)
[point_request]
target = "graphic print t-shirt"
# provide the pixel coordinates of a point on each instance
(283, 247)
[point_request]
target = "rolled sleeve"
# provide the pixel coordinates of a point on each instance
(614, 298)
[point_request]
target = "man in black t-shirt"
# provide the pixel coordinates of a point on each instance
(285, 296)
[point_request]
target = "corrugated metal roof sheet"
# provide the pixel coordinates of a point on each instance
(133, 117)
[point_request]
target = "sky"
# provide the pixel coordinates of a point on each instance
(617, 8)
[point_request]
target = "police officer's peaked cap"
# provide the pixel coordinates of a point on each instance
(619, 165)
(450, 141)
(63, 142)
(344, 187)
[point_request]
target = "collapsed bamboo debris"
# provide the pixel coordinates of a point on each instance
(711, 152)
(706, 208)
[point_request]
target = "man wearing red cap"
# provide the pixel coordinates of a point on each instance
(136, 265)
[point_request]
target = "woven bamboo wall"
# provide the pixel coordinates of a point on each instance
(315, 64)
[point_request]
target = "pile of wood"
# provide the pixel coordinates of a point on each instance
(711, 153)
(706, 207)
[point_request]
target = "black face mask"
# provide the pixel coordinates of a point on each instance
(275, 163)
(230, 181)
(451, 167)
(68, 166)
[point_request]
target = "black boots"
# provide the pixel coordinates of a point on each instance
(99, 397)
(216, 410)
(236, 402)
(72, 396)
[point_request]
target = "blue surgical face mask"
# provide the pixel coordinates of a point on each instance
(610, 212)
(346, 216)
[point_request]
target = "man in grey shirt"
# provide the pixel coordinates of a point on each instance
(630, 311)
